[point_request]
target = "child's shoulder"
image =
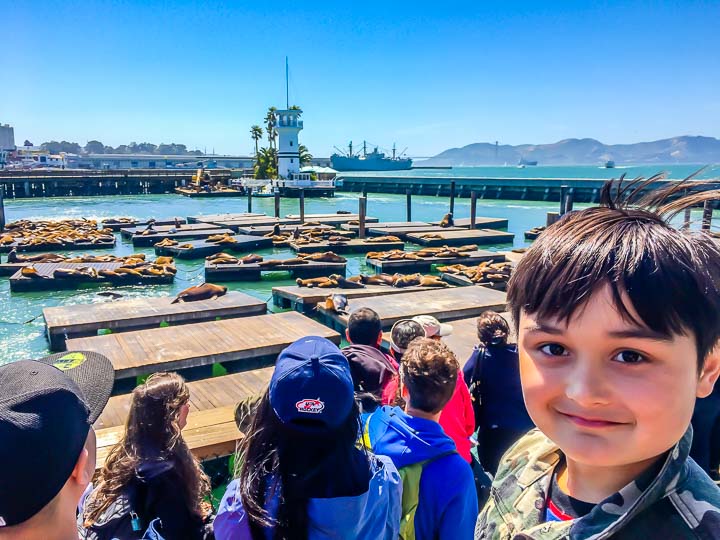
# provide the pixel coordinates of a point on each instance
(533, 451)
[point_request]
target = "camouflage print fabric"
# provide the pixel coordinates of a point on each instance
(679, 502)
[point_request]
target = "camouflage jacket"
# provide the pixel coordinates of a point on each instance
(679, 502)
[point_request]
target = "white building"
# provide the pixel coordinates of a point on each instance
(288, 127)
(7, 137)
(156, 161)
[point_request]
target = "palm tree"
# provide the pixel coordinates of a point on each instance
(256, 133)
(265, 163)
(270, 123)
(305, 155)
(296, 108)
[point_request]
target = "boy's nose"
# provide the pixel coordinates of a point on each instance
(586, 385)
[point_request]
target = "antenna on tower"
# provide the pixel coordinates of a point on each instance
(287, 90)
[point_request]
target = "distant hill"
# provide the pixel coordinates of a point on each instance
(685, 149)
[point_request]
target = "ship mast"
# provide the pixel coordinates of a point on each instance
(287, 88)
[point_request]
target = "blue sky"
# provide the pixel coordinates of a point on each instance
(427, 75)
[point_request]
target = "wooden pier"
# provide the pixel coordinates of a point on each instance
(209, 218)
(237, 224)
(139, 223)
(68, 322)
(332, 219)
(129, 232)
(203, 248)
(444, 304)
(261, 230)
(461, 237)
(305, 299)
(403, 232)
(253, 272)
(425, 264)
(480, 223)
(240, 344)
(354, 245)
(139, 240)
(20, 283)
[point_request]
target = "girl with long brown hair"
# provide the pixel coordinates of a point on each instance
(151, 469)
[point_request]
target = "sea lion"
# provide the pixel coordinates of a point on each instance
(221, 238)
(225, 260)
(316, 282)
(432, 281)
(296, 233)
(337, 302)
(276, 230)
(206, 291)
(147, 232)
(110, 294)
(344, 212)
(167, 242)
(186, 246)
(6, 239)
(353, 222)
(447, 220)
(13, 257)
(109, 274)
(328, 256)
(277, 262)
(379, 239)
(312, 223)
(163, 260)
(128, 271)
(250, 259)
(410, 280)
(31, 272)
(431, 236)
(178, 222)
(345, 283)
(377, 279)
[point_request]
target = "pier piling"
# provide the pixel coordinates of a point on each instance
(2, 208)
(249, 200)
(301, 199)
(569, 201)
(277, 204)
(707, 215)
(473, 209)
(563, 198)
(408, 204)
(362, 212)
(452, 197)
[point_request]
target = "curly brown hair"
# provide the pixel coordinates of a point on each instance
(429, 370)
(152, 433)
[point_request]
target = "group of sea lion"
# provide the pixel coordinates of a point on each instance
(64, 233)
(132, 266)
(494, 275)
(308, 235)
(15, 257)
(221, 239)
(226, 258)
(444, 252)
(361, 281)
(119, 221)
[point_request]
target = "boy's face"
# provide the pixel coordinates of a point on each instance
(607, 392)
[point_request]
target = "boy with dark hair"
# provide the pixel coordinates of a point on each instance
(618, 318)
(371, 369)
(47, 443)
(439, 497)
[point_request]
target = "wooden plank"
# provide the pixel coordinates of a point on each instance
(151, 240)
(128, 232)
(461, 237)
(425, 264)
(203, 248)
(65, 322)
(304, 299)
(204, 394)
(445, 304)
(209, 218)
(252, 272)
(354, 245)
(480, 223)
(161, 349)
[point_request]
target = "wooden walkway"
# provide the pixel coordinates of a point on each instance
(425, 264)
(138, 223)
(461, 237)
(205, 394)
(66, 322)
(445, 304)
(19, 283)
(243, 343)
(129, 232)
(253, 272)
(203, 248)
(480, 223)
(304, 299)
(354, 245)
(267, 229)
(139, 240)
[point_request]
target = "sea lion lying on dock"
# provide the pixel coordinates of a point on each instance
(167, 242)
(447, 220)
(206, 291)
(163, 260)
(337, 302)
(328, 256)
(277, 262)
(221, 239)
(31, 272)
(382, 239)
(414, 280)
(377, 279)
(251, 259)
(344, 283)
(13, 257)
(321, 282)
(344, 212)
(222, 258)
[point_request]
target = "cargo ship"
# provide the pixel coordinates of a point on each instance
(368, 161)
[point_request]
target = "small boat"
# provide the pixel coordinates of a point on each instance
(610, 164)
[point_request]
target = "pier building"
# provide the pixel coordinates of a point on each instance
(7, 137)
(154, 161)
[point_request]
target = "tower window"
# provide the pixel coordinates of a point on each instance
(290, 143)
(291, 160)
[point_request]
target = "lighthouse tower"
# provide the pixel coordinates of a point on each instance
(288, 127)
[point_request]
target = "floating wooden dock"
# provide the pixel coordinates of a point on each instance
(480, 223)
(209, 194)
(67, 322)
(462, 237)
(387, 225)
(332, 219)
(462, 281)
(403, 232)
(513, 256)
(20, 283)
(209, 218)
(8, 269)
(444, 304)
(129, 232)
(304, 299)
(7, 248)
(139, 223)
(203, 248)
(241, 344)
(206, 394)
(253, 272)
(354, 245)
(139, 240)
(425, 264)
(236, 224)
(261, 230)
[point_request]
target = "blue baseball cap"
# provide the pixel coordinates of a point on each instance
(311, 388)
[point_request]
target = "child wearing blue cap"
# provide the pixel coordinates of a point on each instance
(301, 474)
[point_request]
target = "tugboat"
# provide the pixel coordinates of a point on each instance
(368, 161)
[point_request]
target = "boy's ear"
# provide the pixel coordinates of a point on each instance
(709, 373)
(379, 339)
(82, 473)
(347, 335)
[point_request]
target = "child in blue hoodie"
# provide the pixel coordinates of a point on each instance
(301, 474)
(447, 499)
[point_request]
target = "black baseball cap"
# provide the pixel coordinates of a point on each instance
(46, 409)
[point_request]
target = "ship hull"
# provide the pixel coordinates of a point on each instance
(344, 164)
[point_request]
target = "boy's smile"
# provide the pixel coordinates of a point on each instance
(606, 390)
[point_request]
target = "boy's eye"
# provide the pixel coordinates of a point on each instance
(553, 349)
(629, 357)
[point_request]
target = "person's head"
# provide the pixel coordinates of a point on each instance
(47, 408)
(433, 328)
(492, 329)
(402, 333)
(428, 375)
(158, 413)
(302, 433)
(618, 316)
(364, 328)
